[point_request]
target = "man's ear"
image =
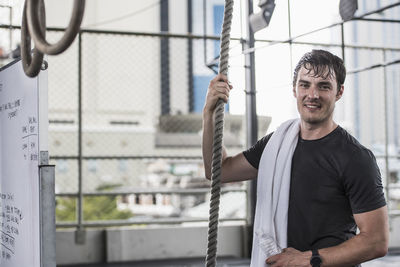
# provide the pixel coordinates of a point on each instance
(340, 93)
(294, 92)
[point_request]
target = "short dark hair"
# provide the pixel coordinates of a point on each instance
(317, 61)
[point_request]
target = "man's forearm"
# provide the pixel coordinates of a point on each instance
(361, 248)
(218, 89)
(356, 250)
(207, 142)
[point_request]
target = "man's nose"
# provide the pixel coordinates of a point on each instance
(313, 92)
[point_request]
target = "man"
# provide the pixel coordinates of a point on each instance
(335, 183)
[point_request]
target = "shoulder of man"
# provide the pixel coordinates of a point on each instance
(253, 154)
(352, 142)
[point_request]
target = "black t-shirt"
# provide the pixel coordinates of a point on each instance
(332, 178)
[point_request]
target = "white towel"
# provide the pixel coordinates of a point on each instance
(273, 184)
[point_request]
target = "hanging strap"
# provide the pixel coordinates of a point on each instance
(217, 142)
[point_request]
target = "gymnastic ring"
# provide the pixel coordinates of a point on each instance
(70, 32)
(31, 64)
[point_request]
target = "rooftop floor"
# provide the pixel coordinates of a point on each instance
(221, 262)
(387, 261)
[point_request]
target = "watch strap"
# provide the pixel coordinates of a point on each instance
(315, 260)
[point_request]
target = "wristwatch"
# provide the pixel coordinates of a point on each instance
(315, 260)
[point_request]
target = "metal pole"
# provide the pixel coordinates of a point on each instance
(204, 32)
(386, 120)
(190, 56)
(164, 62)
(251, 115)
(80, 234)
(343, 45)
(47, 212)
(11, 30)
(290, 36)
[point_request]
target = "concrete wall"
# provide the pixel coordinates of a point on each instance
(156, 242)
(394, 237)
(68, 252)
(149, 243)
(176, 242)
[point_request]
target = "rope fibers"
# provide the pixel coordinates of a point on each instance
(217, 142)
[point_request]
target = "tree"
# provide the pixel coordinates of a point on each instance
(94, 207)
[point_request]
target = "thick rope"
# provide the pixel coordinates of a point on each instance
(211, 259)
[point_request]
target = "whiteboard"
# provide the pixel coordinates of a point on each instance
(20, 128)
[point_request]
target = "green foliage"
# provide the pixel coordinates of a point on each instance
(103, 208)
(65, 209)
(94, 207)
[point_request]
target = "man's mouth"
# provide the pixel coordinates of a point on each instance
(312, 106)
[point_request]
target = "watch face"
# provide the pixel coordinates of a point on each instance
(315, 260)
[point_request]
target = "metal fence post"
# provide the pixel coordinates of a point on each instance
(190, 55)
(80, 232)
(251, 115)
(47, 209)
(386, 120)
(164, 62)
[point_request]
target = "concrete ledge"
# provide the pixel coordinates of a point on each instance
(170, 242)
(152, 243)
(68, 252)
(394, 235)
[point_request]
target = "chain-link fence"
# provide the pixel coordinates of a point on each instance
(368, 108)
(125, 123)
(125, 119)
(141, 118)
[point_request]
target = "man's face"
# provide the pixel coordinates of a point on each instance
(316, 96)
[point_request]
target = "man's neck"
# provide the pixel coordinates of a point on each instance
(316, 131)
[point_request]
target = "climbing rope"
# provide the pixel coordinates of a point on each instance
(217, 142)
(34, 26)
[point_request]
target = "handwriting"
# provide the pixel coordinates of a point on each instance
(29, 146)
(10, 218)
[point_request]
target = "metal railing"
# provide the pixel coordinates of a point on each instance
(133, 221)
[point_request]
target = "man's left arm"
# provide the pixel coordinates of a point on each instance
(370, 243)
